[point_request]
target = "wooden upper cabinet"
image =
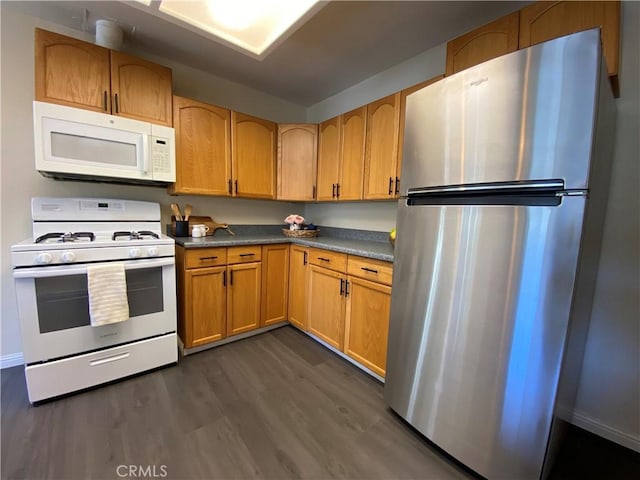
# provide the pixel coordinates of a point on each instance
(544, 21)
(381, 150)
(203, 148)
(253, 156)
(403, 108)
(489, 41)
(71, 72)
(79, 74)
(353, 126)
(297, 161)
(328, 158)
(140, 89)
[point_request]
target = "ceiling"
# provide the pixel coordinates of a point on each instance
(344, 43)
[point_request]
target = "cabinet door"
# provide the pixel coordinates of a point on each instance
(140, 89)
(489, 41)
(253, 156)
(367, 323)
(297, 161)
(403, 109)
(275, 283)
(244, 282)
(203, 148)
(328, 159)
(205, 302)
(298, 285)
(353, 126)
(325, 314)
(542, 21)
(71, 72)
(381, 150)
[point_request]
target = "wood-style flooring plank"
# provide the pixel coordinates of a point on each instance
(274, 406)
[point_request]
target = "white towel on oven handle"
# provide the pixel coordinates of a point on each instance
(107, 288)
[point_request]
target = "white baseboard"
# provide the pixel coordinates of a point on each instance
(11, 360)
(580, 419)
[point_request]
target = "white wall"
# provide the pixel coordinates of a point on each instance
(609, 395)
(20, 181)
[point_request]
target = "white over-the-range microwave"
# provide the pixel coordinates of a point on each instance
(71, 143)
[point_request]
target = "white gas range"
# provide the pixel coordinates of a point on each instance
(63, 352)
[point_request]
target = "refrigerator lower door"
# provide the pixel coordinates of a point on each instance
(479, 314)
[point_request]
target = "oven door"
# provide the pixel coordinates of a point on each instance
(53, 307)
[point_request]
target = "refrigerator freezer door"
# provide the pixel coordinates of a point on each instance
(479, 313)
(529, 115)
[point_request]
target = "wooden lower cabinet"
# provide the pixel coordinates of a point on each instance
(325, 314)
(275, 283)
(367, 323)
(298, 285)
(206, 310)
(243, 307)
(215, 302)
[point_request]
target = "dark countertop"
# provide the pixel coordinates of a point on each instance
(361, 247)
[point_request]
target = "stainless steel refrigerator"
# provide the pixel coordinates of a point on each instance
(504, 185)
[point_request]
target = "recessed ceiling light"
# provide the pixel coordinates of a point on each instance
(254, 26)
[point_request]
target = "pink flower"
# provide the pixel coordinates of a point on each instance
(293, 218)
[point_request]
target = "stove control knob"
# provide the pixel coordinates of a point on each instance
(134, 253)
(152, 252)
(44, 258)
(68, 257)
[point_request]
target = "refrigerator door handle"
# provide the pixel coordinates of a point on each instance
(492, 187)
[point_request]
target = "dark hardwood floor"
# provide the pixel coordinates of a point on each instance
(275, 406)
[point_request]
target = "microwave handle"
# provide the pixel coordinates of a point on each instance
(63, 270)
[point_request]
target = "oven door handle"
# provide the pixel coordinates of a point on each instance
(62, 270)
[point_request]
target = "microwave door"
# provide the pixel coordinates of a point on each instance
(100, 146)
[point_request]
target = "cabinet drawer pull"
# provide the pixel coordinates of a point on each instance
(390, 185)
(397, 185)
(231, 277)
(338, 190)
(207, 258)
(341, 286)
(247, 254)
(324, 259)
(224, 278)
(304, 258)
(117, 107)
(346, 288)
(369, 270)
(333, 190)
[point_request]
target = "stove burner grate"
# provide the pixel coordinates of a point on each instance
(67, 237)
(134, 235)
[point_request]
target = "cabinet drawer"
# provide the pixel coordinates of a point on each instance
(205, 257)
(249, 253)
(374, 270)
(325, 258)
